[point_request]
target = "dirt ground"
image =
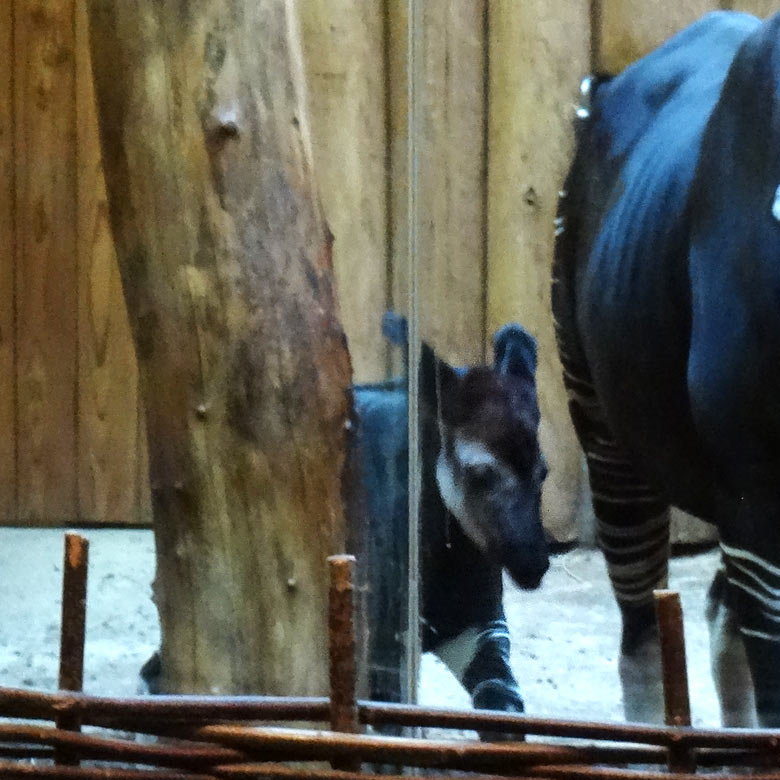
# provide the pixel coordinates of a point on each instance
(564, 635)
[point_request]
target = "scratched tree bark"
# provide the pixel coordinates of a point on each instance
(226, 267)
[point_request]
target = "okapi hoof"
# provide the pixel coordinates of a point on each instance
(497, 695)
(150, 674)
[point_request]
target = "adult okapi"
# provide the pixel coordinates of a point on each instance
(666, 294)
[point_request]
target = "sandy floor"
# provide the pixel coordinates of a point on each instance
(564, 634)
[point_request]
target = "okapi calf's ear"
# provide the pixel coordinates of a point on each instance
(436, 376)
(514, 352)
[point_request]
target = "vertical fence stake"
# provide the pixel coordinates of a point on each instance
(341, 633)
(677, 707)
(74, 612)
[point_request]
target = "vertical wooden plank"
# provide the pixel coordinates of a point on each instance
(632, 28)
(110, 440)
(46, 278)
(451, 173)
(397, 139)
(7, 269)
(452, 178)
(344, 57)
(762, 8)
(538, 52)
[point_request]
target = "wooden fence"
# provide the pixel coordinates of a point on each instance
(70, 735)
(497, 93)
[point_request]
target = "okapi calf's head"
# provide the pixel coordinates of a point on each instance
(489, 469)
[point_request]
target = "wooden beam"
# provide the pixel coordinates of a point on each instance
(452, 178)
(397, 157)
(46, 272)
(8, 421)
(451, 173)
(538, 52)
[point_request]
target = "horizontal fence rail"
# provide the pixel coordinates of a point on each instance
(139, 712)
(201, 735)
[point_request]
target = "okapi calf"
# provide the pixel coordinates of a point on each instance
(481, 480)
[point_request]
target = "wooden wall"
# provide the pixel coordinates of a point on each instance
(72, 447)
(498, 84)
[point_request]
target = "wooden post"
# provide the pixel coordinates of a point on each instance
(72, 629)
(8, 357)
(675, 673)
(341, 632)
(226, 268)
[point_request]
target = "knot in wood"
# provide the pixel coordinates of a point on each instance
(224, 126)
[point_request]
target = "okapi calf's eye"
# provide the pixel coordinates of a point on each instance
(482, 477)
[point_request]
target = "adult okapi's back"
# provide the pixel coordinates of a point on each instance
(666, 293)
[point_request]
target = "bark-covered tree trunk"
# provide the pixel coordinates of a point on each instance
(226, 268)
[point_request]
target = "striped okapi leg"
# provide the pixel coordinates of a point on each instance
(633, 533)
(479, 658)
(753, 577)
(632, 520)
(730, 670)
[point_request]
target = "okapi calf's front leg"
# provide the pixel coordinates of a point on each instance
(479, 659)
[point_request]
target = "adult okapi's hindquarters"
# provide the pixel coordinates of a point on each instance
(734, 367)
(627, 301)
